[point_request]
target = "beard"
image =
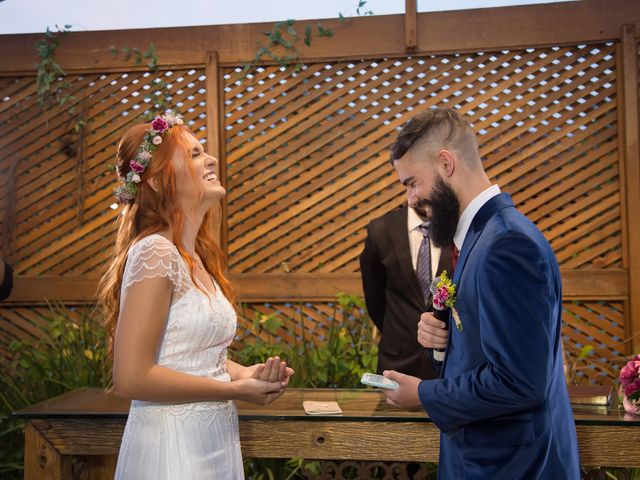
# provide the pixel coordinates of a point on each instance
(445, 213)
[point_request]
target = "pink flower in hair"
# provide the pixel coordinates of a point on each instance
(136, 167)
(159, 124)
(157, 140)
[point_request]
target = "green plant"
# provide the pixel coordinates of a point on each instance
(52, 87)
(284, 39)
(159, 96)
(49, 71)
(348, 350)
(70, 352)
(576, 362)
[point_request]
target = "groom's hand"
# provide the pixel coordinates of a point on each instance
(432, 333)
(406, 396)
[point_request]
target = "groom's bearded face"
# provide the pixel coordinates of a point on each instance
(445, 212)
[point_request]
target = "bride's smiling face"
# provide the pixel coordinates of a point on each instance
(197, 182)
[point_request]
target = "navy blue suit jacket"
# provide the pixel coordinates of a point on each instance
(501, 403)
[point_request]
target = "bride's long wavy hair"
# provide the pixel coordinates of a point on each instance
(153, 211)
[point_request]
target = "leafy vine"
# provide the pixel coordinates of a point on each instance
(159, 96)
(285, 38)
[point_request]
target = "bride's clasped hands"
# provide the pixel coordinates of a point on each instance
(261, 383)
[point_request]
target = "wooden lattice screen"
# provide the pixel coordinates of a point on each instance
(307, 158)
(305, 161)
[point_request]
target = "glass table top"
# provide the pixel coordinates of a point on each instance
(356, 405)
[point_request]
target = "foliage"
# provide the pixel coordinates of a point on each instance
(49, 70)
(52, 89)
(139, 56)
(348, 351)
(284, 39)
(67, 354)
(158, 97)
(576, 362)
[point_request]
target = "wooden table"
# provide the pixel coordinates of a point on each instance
(77, 435)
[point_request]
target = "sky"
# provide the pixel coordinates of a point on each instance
(34, 16)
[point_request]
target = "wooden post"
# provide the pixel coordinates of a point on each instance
(215, 136)
(630, 174)
(41, 459)
(411, 24)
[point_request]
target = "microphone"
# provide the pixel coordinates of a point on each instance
(440, 308)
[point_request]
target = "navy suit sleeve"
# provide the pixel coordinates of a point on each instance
(519, 299)
(373, 279)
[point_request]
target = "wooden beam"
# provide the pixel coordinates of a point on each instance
(485, 29)
(260, 287)
(411, 24)
(215, 137)
(630, 171)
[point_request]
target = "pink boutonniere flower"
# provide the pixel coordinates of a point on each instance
(444, 296)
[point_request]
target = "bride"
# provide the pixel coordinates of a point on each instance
(170, 315)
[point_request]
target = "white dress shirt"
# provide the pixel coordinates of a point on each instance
(415, 239)
(470, 212)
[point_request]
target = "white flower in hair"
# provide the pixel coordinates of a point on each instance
(173, 119)
(135, 178)
(157, 140)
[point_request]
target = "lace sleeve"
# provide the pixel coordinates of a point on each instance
(155, 256)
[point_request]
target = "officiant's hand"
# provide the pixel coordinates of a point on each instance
(432, 333)
(406, 395)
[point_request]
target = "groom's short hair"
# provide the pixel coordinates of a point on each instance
(435, 129)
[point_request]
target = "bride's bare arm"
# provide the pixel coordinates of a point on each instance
(143, 313)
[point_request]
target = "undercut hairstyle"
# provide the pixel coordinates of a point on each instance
(436, 129)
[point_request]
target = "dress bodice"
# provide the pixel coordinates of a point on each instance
(200, 325)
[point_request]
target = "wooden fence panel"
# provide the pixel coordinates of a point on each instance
(62, 188)
(306, 166)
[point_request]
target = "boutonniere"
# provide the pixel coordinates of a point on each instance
(444, 296)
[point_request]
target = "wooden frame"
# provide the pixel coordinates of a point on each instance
(215, 48)
(61, 437)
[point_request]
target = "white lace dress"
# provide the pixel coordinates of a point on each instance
(197, 440)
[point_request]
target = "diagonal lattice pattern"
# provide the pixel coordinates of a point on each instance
(307, 165)
(307, 152)
(599, 325)
(58, 189)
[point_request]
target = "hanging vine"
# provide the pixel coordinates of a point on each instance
(284, 40)
(159, 96)
(54, 91)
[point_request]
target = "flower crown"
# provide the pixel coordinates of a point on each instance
(126, 192)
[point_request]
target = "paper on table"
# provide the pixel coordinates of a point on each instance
(321, 408)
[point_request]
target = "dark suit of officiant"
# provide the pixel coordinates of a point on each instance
(393, 295)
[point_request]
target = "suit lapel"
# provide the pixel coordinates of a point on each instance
(400, 239)
(478, 223)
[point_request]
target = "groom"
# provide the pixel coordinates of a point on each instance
(501, 402)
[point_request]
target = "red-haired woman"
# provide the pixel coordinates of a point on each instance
(169, 311)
